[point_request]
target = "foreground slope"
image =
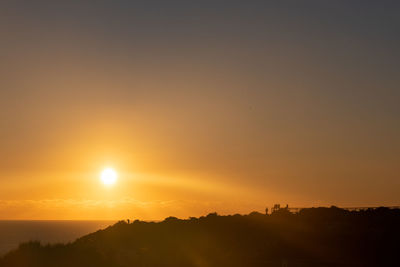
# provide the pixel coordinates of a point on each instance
(312, 237)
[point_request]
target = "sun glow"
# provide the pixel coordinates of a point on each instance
(109, 176)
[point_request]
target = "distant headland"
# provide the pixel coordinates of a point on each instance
(309, 237)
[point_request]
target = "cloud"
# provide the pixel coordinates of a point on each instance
(116, 209)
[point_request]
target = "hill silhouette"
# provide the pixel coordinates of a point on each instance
(311, 237)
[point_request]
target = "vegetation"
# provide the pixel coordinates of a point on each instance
(311, 237)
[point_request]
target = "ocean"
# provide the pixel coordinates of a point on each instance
(12, 233)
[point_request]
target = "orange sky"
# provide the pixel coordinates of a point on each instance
(199, 108)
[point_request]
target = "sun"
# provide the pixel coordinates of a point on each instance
(109, 176)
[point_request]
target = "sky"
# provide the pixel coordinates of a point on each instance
(200, 106)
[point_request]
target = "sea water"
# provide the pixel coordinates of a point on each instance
(12, 233)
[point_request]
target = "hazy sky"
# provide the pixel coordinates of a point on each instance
(201, 106)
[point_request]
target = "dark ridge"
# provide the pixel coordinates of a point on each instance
(311, 237)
